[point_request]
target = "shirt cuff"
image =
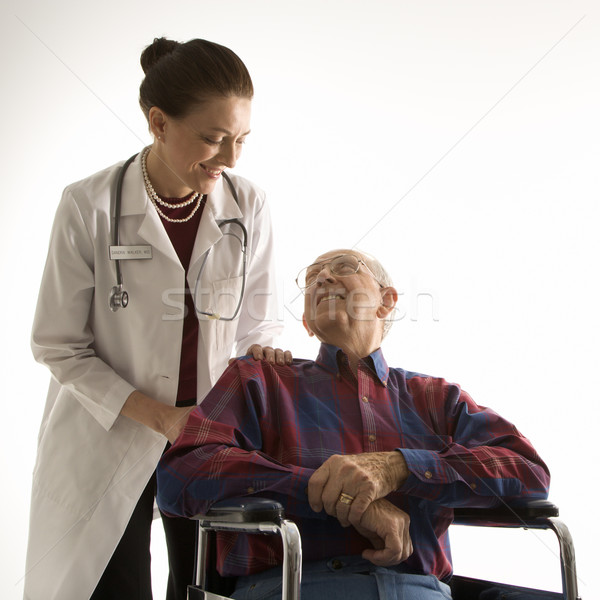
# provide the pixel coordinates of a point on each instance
(426, 476)
(298, 501)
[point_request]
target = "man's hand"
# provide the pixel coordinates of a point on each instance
(387, 528)
(364, 477)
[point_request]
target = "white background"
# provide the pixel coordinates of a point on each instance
(456, 141)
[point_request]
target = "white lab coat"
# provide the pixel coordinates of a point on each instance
(93, 464)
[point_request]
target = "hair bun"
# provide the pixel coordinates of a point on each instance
(158, 49)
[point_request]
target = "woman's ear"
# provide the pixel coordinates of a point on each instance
(389, 298)
(157, 121)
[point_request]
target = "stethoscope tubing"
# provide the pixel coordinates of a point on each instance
(244, 245)
(117, 214)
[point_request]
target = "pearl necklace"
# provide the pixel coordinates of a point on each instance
(156, 199)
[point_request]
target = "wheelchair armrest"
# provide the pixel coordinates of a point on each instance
(252, 515)
(532, 514)
(243, 510)
(520, 514)
(254, 510)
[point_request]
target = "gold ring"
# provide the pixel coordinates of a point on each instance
(346, 498)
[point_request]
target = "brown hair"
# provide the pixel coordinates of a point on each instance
(182, 75)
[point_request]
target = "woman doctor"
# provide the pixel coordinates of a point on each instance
(123, 381)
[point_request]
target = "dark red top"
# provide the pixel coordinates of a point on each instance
(183, 236)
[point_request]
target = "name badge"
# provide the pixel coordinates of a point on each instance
(130, 252)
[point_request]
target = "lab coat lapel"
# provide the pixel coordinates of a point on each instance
(136, 202)
(153, 231)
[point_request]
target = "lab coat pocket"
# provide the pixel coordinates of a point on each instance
(77, 457)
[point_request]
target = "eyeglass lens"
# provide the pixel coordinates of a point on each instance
(344, 265)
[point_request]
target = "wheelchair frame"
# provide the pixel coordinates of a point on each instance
(249, 515)
(534, 514)
(259, 515)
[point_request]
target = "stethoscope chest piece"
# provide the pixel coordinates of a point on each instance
(118, 298)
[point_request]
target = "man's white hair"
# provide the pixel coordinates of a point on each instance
(383, 277)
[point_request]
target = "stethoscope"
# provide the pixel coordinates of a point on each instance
(119, 298)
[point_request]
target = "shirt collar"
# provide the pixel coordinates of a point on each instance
(375, 362)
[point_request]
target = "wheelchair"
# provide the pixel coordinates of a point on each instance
(262, 516)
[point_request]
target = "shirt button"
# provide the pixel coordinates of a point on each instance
(372, 438)
(428, 475)
(473, 486)
(250, 490)
(365, 399)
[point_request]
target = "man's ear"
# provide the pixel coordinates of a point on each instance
(389, 298)
(306, 326)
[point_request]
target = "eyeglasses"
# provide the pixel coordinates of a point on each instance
(340, 266)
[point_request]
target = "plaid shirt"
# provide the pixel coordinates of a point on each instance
(264, 429)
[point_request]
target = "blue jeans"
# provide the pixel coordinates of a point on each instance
(345, 578)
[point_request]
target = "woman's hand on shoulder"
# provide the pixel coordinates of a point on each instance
(272, 355)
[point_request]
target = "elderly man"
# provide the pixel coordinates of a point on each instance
(368, 460)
